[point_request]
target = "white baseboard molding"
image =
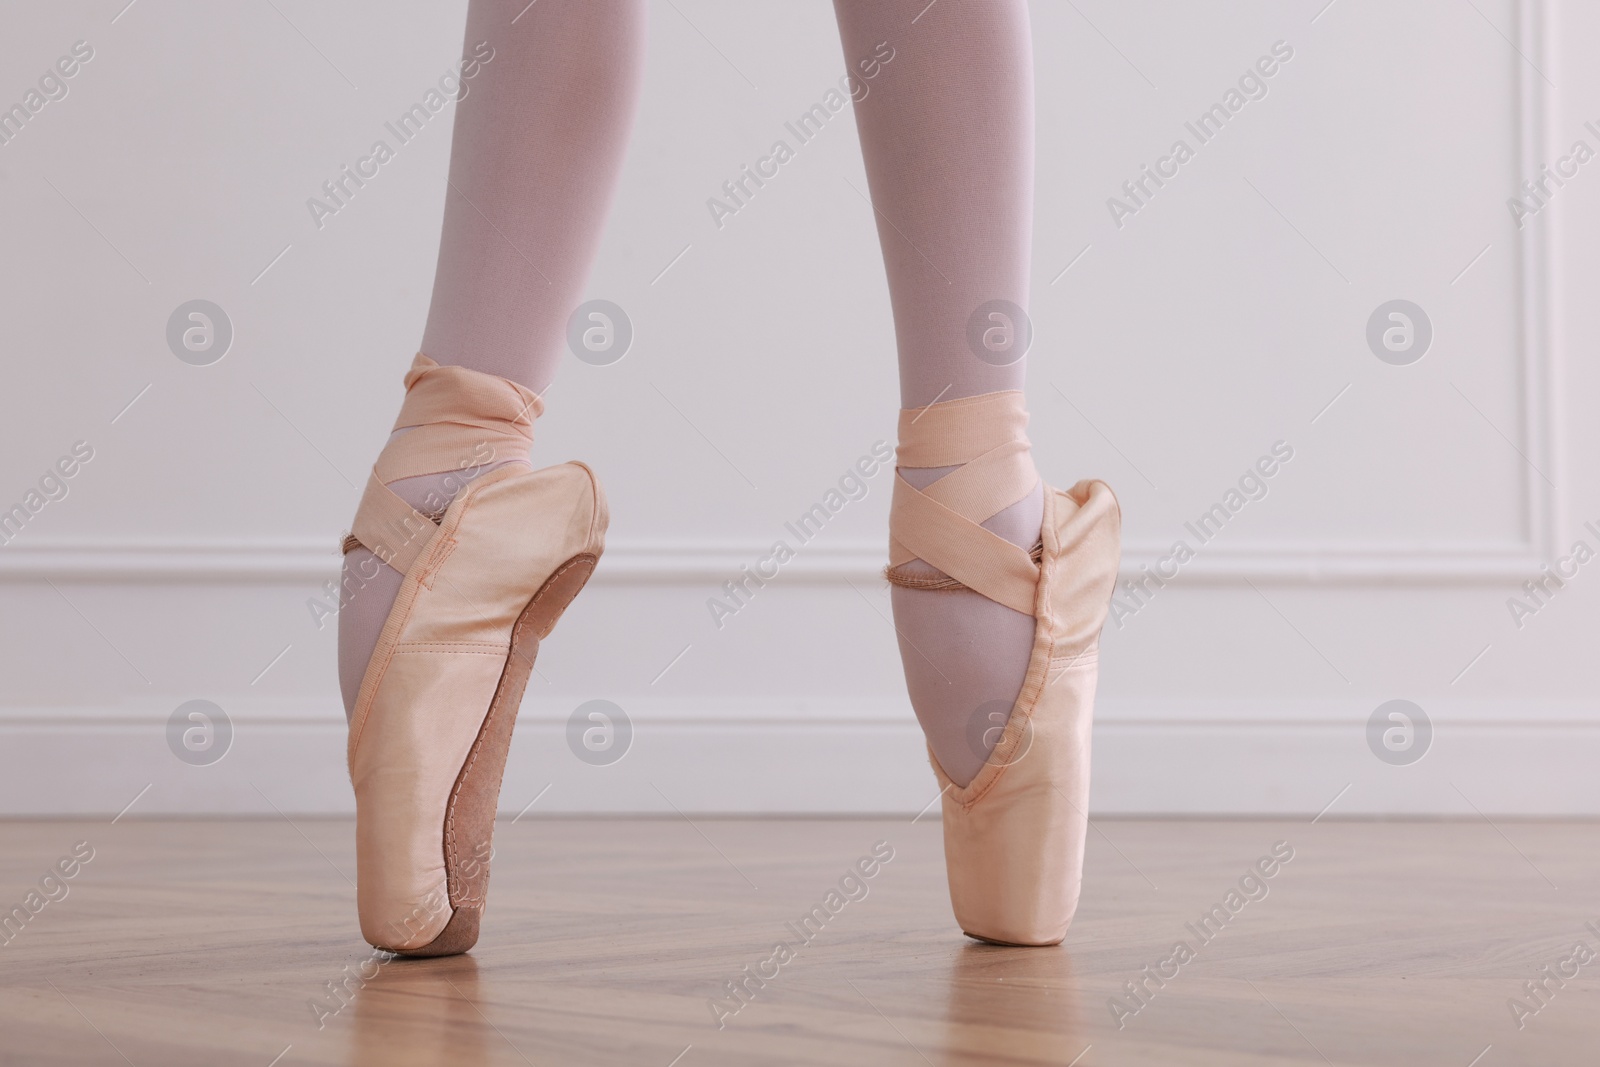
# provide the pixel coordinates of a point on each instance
(84, 763)
(644, 563)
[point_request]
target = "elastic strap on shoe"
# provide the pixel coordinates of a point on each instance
(456, 419)
(940, 524)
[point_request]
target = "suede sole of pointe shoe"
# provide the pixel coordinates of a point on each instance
(469, 819)
(1014, 944)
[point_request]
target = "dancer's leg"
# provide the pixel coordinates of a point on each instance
(947, 132)
(538, 143)
(539, 139)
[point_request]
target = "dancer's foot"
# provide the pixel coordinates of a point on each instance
(368, 587)
(964, 653)
(1014, 825)
(483, 581)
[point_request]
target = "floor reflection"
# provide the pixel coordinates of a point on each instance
(423, 1012)
(1012, 1001)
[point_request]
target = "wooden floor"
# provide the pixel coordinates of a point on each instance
(609, 941)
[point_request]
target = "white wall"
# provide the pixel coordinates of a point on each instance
(1221, 318)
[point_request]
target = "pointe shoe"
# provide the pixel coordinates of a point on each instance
(485, 581)
(1014, 835)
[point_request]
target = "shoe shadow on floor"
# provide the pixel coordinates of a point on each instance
(421, 1011)
(1012, 1003)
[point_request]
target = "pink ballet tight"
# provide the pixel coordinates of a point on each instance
(538, 143)
(947, 133)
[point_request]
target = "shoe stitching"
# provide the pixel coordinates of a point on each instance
(431, 572)
(943, 582)
(1045, 574)
(447, 652)
(464, 500)
(450, 646)
(1027, 702)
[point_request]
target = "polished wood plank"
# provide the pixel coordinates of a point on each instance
(208, 942)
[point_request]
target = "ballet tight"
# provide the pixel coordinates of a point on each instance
(538, 145)
(947, 134)
(538, 142)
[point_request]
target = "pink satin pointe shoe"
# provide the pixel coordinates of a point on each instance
(1014, 835)
(485, 581)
